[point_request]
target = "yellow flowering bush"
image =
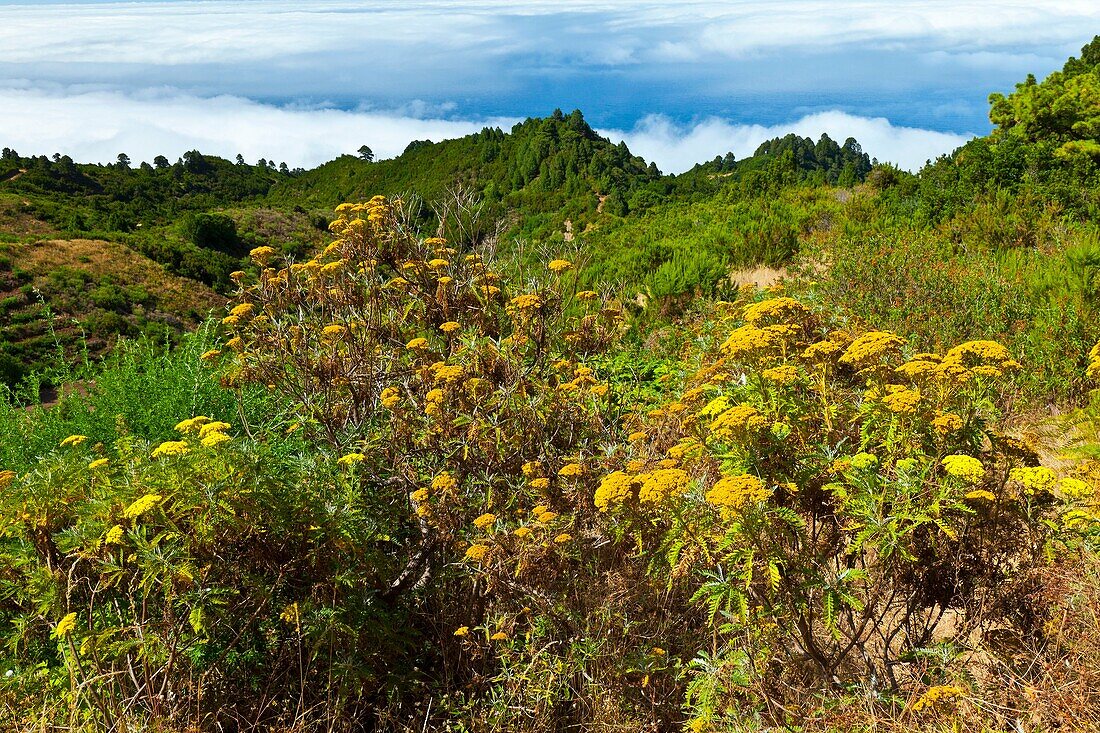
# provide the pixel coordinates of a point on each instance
(848, 492)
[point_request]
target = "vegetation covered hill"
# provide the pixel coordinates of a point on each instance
(413, 482)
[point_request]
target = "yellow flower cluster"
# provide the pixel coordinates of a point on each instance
(785, 374)
(1093, 370)
(433, 402)
(749, 342)
(937, 694)
(350, 459)
(65, 626)
(616, 489)
(662, 484)
(862, 461)
(114, 535)
(171, 448)
(560, 265)
(417, 343)
(733, 493)
(191, 425)
(821, 351)
(390, 397)
(871, 348)
(966, 468)
(446, 373)
(571, 470)
(526, 302)
(784, 310)
(982, 358)
(1075, 489)
(737, 424)
(73, 440)
(485, 520)
(142, 505)
(477, 553)
(900, 399)
(444, 483)
(262, 255)
(1035, 479)
(947, 423)
(450, 327)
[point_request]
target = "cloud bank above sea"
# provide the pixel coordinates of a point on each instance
(679, 80)
(97, 125)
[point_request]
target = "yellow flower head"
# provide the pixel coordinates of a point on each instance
(560, 265)
(785, 374)
(734, 493)
(450, 327)
(562, 538)
(616, 489)
(901, 400)
(417, 343)
(499, 636)
(215, 439)
(98, 463)
(540, 484)
(485, 520)
(967, 468)
(776, 310)
(171, 448)
(477, 553)
(114, 535)
(588, 295)
(262, 255)
(142, 505)
(1035, 480)
(242, 310)
(939, 693)
(526, 302)
(445, 373)
(571, 470)
(462, 631)
(65, 626)
(444, 483)
(737, 424)
(522, 532)
(662, 484)
(191, 425)
(350, 459)
(390, 397)
(73, 440)
(213, 427)
(871, 348)
(947, 423)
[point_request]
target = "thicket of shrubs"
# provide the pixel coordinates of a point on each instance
(425, 497)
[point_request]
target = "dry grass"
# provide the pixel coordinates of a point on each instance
(176, 295)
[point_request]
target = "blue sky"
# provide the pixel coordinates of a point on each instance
(680, 81)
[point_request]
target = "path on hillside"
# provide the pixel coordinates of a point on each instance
(13, 176)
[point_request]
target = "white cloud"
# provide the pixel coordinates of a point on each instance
(675, 148)
(160, 33)
(94, 126)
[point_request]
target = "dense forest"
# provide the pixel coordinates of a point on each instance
(514, 432)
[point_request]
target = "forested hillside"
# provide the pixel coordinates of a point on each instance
(515, 433)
